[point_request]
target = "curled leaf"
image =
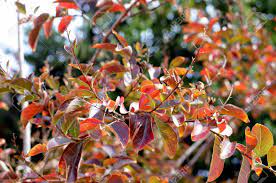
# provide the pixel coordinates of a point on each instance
(37, 149)
(235, 111)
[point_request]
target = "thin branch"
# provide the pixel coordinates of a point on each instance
(119, 20)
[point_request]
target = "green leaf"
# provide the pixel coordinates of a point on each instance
(168, 135)
(21, 7)
(264, 139)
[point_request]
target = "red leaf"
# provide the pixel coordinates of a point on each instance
(117, 8)
(33, 37)
(141, 130)
(68, 5)
(37, 149)
(244, 171)
(65, 21)
(47, 26)
(199, 132)
(70, 159)
(121, 130)
(217, 164)
(29, 112)
(89, 124)
(41, 19)
(146, 103)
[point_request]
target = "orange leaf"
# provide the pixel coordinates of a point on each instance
(37, 149)
(235, 111)
(217, 164)
(89, 124)
(251, 141)
(120, 38)
(29, 112)
(65, 21)
(106, 46)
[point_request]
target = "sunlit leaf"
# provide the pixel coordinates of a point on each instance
(264, 138)
(250, 140)
(37, 149)
(227, 148)
(271, 156)
(199, 131)
(21, 7)
(29, 112)
(64, 23)
(89, 124)
(217, 164)
(235, 111)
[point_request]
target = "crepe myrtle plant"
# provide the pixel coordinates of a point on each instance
(95, 135)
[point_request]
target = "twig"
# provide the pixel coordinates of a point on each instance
(188, 152)
(175, 88)
(119, 20)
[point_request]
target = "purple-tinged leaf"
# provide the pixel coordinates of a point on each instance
(70, 159)
(121, 131)
(141, 130)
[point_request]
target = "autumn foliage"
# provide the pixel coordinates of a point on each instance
(139, 135)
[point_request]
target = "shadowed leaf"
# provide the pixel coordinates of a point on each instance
(121, 130)
(168, 135)
(70, 159)
(141, 130)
